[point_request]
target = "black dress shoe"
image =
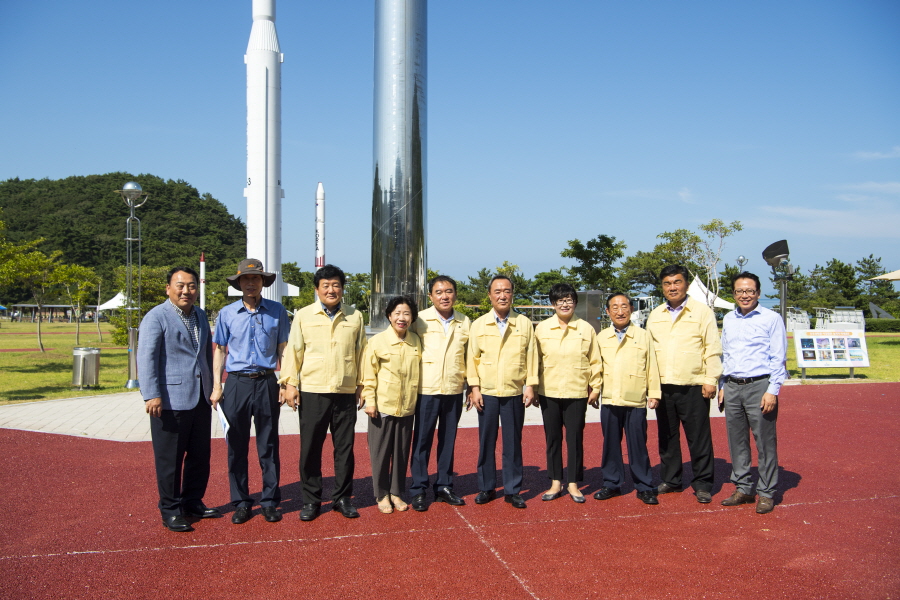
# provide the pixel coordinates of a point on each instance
(241, 515)
(484, 497)
(271, 514)
(703, 497)
(418, 503)
(665, 488)
(309, 512)
(515, 499)
(606, 493)
(345, 507)
(202, 512)
(177, 523)
(648, 497)
(445, 494)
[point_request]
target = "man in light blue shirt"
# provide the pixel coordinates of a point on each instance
(754, 351)
(254, 331)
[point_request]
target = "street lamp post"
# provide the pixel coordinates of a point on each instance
(132, 193)
(741, 261)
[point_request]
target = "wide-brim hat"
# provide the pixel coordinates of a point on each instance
(250, 266)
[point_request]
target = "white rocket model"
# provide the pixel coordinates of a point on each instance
(320, 226)
(202, 281)
(263, 191)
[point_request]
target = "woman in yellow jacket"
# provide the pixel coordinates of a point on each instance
(569, 378)
(390, 390)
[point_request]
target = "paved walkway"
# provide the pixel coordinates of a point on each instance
(121, 418)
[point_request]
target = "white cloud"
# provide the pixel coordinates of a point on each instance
(686, 196)
(892, 153)
(881, 223)
(872, 187)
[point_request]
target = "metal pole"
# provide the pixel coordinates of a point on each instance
(784, 301)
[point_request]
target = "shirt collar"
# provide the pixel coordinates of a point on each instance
(337, 309)
(259, 307)
(497, 317)
(684, 303)
(180, 312)
(740, 315)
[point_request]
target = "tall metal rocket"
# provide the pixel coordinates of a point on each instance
(320, 226)
(398, 198)
(263, 191)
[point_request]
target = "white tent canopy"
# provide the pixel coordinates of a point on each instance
(893, 276)
(117, 301)
(698, 292)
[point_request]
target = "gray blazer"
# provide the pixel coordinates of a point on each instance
(168, 366)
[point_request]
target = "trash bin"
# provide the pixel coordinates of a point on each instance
(85, 367)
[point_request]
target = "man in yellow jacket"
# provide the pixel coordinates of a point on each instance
(630, 384)
(445, 335)
(321, 376)
(688, 353)
(501, 372)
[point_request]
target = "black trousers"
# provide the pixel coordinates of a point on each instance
(318, 413)
(257, 398)
(568, 412)
(510, 412)
(684, 405)
(633, 421)
(441, 412)
(181, 453)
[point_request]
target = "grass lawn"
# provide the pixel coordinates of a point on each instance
(30, 376)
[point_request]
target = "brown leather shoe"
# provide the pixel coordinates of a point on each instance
(765, 505)
(739, 497)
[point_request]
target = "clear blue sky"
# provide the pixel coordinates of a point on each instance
(547, 121)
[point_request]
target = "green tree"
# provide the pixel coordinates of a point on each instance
(34, 270)
(545, 280)
(706, 251)
(304, 280)
(725, 277)
(594, 268)
(79, 283)
(153, 292)
(356, 292)
(880, 292)
(640, 272)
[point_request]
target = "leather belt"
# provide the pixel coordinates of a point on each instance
(253, 374)
(746, 380)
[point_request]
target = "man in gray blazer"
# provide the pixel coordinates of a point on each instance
(174, 367)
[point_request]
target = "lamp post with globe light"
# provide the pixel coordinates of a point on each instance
(741, 261)
(132, 193)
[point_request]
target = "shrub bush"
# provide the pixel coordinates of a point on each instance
(883, 325)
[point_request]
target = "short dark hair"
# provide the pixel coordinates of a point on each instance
(614, 294)
(188, 270)
(440, 278)
(674, 270)
(329, 272)
(396, 301)
(562, 290)
(745, 275)
(501, 276)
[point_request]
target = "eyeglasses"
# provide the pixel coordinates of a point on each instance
(565, 302)
(738, 293)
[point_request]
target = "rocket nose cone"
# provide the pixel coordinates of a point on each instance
(320, 190)
(264, 9)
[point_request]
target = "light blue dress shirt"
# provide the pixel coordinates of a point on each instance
(754, 344)
(252, 337)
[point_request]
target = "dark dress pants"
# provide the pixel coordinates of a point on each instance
(633, 421)
(257, 398)
(508, 411)
(389, 444)
(568, 412)
(318, 413)
(441, 411)
(684, 405)
(181, 453)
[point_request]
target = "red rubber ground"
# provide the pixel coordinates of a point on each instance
(80, 521)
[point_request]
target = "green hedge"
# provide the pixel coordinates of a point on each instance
(883, 325)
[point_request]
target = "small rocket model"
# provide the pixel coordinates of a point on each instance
(320, 226)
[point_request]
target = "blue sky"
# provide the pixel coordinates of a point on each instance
(547, 121)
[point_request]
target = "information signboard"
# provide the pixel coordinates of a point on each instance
(825, 348)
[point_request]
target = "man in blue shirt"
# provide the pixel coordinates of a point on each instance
(754, 345)
(254, 331)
